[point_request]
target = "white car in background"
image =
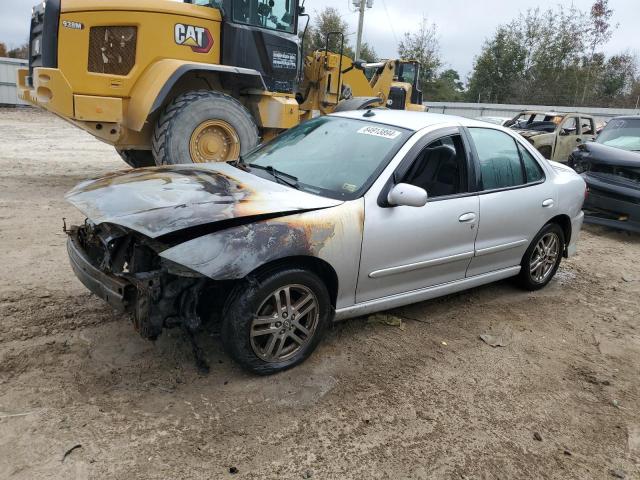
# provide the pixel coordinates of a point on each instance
(495, 120)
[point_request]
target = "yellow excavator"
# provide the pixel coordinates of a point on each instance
(166, 82)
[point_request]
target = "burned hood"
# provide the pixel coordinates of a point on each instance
(163, 200)
(606, 155)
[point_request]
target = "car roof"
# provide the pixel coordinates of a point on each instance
(410, 120)
(552, 114)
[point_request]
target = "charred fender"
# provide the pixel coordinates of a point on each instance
(235, 252)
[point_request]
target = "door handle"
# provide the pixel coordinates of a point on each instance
(548, 203)
(467, 217)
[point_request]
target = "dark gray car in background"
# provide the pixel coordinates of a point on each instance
(611, 167)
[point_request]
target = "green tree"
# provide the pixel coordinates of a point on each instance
(367, 53)
(499, 68)
(599, 32)
(553, 57)
(327, 21)
(447, 87)
(19, 52)
(423, 46)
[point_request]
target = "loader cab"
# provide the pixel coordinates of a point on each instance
(406, 73)
(261, 35)
(409, 72)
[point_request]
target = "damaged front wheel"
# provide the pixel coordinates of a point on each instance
(275, 321)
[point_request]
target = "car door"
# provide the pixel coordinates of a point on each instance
(516, 200)
(587, 130)
(567, 138)
(409, 248)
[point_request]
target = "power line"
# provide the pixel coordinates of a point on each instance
(393, 30)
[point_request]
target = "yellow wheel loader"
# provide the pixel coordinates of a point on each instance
(201, 81)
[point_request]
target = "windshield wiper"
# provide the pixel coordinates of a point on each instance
(279, 176)
(240, 163)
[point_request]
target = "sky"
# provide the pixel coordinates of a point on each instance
(463, 25)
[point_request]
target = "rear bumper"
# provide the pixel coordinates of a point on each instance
(576, 228)
(116, 291)
(51, 90)
(612, 205)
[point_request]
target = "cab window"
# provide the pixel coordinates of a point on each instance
(272, 14)
(500, 165)
(440, 168)
(569, 126)
(587, 126)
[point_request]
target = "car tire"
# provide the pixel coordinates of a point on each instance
(261, 340)
(137, 158)
(203, 126)
(547, 247)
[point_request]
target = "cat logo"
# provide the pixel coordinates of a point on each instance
(198, 38)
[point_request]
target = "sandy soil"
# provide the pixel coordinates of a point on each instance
(429, 400)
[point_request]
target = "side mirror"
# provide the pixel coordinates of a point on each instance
(406, 195)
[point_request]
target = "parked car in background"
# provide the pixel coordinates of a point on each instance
(555, 135)
(502, 121)
(341, 216)
(611, 168)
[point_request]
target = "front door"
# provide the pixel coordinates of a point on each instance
(409, 248)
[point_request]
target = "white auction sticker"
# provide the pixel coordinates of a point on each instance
(379, 132)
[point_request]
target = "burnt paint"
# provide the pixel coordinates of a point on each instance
(161, 200)
(332, 234)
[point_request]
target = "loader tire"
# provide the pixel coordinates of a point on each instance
(203, 126)
(137, 158)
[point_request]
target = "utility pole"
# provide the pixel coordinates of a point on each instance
(362, 4)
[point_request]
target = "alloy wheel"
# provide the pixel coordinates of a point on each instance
(544, 257)
(284, 323)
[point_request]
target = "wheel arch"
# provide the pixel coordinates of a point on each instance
(320, 267)
(564, 222)
(357, 103)
(162, 81)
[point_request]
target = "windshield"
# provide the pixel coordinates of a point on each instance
(621, 133)
(272, 14)
(330, 156)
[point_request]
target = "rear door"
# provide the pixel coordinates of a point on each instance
(409, 248)
(516, 200)
(567, 138)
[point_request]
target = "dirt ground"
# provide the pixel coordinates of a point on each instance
(429, 400)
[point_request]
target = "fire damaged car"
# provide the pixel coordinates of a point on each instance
(611, 168)
(555, 135)
(339, 217)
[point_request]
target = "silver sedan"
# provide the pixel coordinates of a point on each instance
(340, 217)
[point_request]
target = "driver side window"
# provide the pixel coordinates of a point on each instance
(440, 168)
